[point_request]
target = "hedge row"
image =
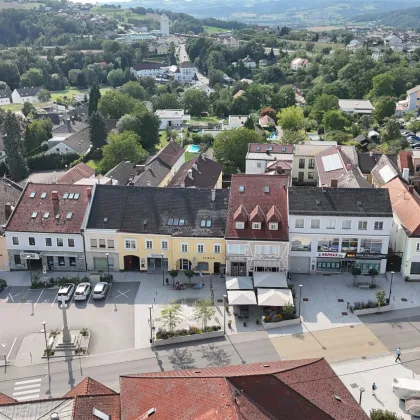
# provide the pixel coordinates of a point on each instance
(45, 162)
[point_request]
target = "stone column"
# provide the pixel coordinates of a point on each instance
(66, 331)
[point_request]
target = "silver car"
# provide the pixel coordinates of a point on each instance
(100, 290)
(82, 291)
(65, 292)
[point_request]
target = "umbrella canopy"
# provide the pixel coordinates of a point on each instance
(274, 297)
(241, 297)
(267, 279)
(239, 283)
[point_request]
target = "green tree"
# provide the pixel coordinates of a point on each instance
(31, 78)
(221, 108)
(134, 89)
(36, 133)
(73, 75)
(335, 120)
(195, 101)
(171, 315)
(414, 126)
(322, 104)
(13, 147)
(379, 414)
(189, 274)
(383, 85)
(204, 311)
(231, 146)
(291, 118)
(373, 273)
(149, 124)
(28, 108)
(249, 123)
(116, 77)
(391, 130)
(97, 130)
(284, 98)
(174, 275)
(293, 137)
(384, 107)
(44, 95)
(122, 147)
(94, 97)
(166, 101)
(216, 77)
(114, 104)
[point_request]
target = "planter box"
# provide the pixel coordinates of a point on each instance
(369, 311)
(187, 338)
(287, 323)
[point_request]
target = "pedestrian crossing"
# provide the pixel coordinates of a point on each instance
(27, 390)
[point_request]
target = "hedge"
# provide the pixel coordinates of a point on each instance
(45, 162)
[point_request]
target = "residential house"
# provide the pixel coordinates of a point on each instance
(409, 166)
(187, 72)
(263, 63)
(45, 229)
(77, 173)
(238, 94)
(147, 69)
(248, 62)
(354, 45)
(4, 97)
(304, 171)
(266, 121)
(172, 118)
(9, 196)
(290, 383)
(355, 106)
(229, 41)
(78, 143)
(384, 171)
(337, 167)
(123, 173)
(27, 94)
(235, 121)
(199, 172)
(395, 43)
(257, 235)
(405, 230)
(333, 230)
(69, 127)
(367, 161)
(363, 141)
(410, 104)
(260, 156)
(298, 63)
(377, 54)
(183, 228)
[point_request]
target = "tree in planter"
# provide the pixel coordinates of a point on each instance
(288, 310)
(379, 414)
(174, 275)
(373, 273)
(190, 275)
(172, 315)
(355, 271)
(204, 311)
(380, 298)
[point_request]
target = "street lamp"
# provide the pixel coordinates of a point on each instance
(151, 327)
(45, 336)
(300, 296)
(224, 314)
(362, 390)
(163, 270)
(107, 261)
(390, 288)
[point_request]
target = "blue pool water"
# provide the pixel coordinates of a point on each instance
(193, 148)
(272, 136)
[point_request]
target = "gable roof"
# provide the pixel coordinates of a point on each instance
(339, 201)
(255, 193)
(367, 161)
(4, 93)
(186, 65)
(22, 220)
(123, 172)
(171, 153)
(147, 66)
(28, 91)
(9, 194)
(384, 171)
(89, 386)
(69, 127)
(78, 172)
(5, 399)
(110, 405)
(413, 90)
(296, 389)
(198, 172)
(79, 142)
(272, 148)
(149, 209)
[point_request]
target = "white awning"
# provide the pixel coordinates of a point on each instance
(241, 297)
(239, 283)
(268, 279)
(274, 297)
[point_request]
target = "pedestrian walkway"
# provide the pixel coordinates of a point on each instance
(27, 390)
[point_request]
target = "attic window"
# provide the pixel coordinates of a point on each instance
(43, 195)
(181, 222)
(76, 196)
(66, 195)
(258, 148)
(283, 149)
(269, 148)
(241, 188)
(176, 221)
(46, 214)
(206, 223)
(32, 195)
(57, 216)
(34, 214)
(266, 189)
(170, 221)
(71, 196)
(69, 215)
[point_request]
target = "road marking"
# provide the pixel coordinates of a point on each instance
(29, 397)
(39, 297)
(19, 388)
(52, 304)
(109, 292)
(23, 297)
(29, 381)
(122, 293)
(13, 296)
(4, 291)
(29, 391)
(8, 354)
(90, 296)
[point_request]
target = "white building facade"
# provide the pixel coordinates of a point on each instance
(172, 118)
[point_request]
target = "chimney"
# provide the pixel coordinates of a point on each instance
(334, 183)
(7, 211)
(140, 168)
(190, 175)
(410, 189)
(89, 192)
(148, 183)
(371, 153)
(54, 195)
(182, 184)
(213, 195)
(348, 166)
(204, 156)
(406, 174)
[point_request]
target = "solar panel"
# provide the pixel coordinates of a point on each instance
(332, 162)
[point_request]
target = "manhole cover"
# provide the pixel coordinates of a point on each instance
(305, 299)
(344, 313)
(341, 300)
(354, 385)
(371, 343)
(404, 299)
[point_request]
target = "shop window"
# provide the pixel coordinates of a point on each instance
(61, 261)
(17, 260)
(50, 261)
(371, 245)
(72, 261)
(301, 243)
(415, 268)
(310, 175)
(328, 243)
(203, 266)
(349, 244)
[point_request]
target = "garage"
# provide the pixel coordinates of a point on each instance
(100, 264)
(299, 265)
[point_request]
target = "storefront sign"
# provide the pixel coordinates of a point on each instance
(331, 254)
(366, 256)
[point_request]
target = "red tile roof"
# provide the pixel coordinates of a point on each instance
(171, 153)
(89, 387)
(405, 204)
(22, 220)
(107, 404)
(405, 160)
(78, 172)
(5, 399)
(253, 195)
(275, 148)
(296, 389)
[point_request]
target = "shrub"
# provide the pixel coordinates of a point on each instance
(84, 332)
(3, 284)
(45, 162)
(194, 330)
(107, 277)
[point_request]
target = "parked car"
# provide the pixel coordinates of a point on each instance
(413, 139)
(65, 292)
(100, 290)
(82, 291)
(408, 134)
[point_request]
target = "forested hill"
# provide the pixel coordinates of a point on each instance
(403, 19)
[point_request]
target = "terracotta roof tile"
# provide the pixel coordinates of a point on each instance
(107, 404)
(78, 172)
(5, 399)
(273, 148)
(405, 160)
(171, 153)
(257, 215)
(89, 387)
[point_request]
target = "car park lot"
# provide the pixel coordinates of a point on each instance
(111, 320)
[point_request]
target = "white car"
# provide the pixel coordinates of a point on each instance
(100, 290)
(65, 292)
(82, 291)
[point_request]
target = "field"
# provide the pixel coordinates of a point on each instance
(13, 5)
(212, 30)
(72, 91)
(324, 28)
(126, 14)
(318, 45)
(201, 120)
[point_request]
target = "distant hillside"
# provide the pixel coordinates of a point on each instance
(403, 19)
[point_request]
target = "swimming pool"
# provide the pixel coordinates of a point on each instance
(193, 148)
(272, 135)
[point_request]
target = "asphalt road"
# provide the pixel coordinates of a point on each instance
(242, 348)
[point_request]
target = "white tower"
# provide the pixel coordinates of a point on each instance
(164, 25)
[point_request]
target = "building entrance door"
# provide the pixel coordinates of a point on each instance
(238, 268)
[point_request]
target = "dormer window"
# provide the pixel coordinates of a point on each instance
(258, 148)
(266, 189)
(46, 214)
(240, 225)
(32, 194)
(241, 188)
(256, 226)
(43, 195)
(34, 214)
(69, 215)
(273, 226)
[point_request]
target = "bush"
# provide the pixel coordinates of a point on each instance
(379, 414)
(107, 277)
(45, 162)
(163, 334)
(3, 284)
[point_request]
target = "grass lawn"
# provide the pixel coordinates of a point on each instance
(189, 156)
(212, 30)
(73, 91)
(126, 14)
(318, 45)
(18, 107)
(93, 164)
(198, 120)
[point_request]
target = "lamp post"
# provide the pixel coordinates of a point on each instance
(28, 260)
(224, 314)
(107, 261)
(163, 270)
(44, 330)
(300, 296)
(151, 327)
(362, 390)
(390, 288)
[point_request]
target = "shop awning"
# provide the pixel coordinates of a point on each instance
(239, 283)
(274, 297)
(267, 279)
(241, 297)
